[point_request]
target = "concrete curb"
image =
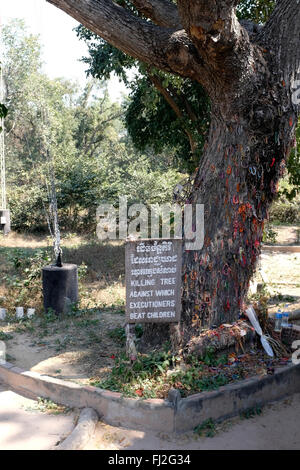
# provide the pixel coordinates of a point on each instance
(282, 248)
(82, 432)
(172, 415)
(231, 400)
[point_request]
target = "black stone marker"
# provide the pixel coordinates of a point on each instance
(60, 287)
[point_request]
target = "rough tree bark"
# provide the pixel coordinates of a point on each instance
(249, 76)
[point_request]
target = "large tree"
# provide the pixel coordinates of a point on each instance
(249, 73)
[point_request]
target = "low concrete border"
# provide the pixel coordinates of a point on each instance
(231, 400)
(172, 415)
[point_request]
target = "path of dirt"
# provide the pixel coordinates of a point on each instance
(282, 271)
(277, 428)
(23, 426)
(287, 234)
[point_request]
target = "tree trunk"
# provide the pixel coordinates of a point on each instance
(251, 133)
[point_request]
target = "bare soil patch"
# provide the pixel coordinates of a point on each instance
(287, 234)
(72, 349)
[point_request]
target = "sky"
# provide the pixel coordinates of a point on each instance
(62, 49)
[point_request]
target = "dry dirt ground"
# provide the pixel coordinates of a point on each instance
(81, 346)
(75, 350)
(28, 425)
(287, 235)
(276, 428)
(282, 272)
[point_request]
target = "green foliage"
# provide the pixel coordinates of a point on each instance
(82, 271)
(24, 286)
(211, 359)
(150, 120)
(251, 412)
(83, 183)
(27, 201)
(94, 159)
(154, 373)
(104, 58)
(127, 377)
(23, 280)
(118, 334)
(293, 167)
(269, 235)
(286, 207)
(284, 211)
(3, 110)
(5, 336)
(207, 428)
(48, 406)
(255, 10)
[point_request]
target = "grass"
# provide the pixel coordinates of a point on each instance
(207, 428)
(45, 405)
(251, 412)
(119, 335)
(101, 271)
(80, 336)
(5, 336)
(82, 333)
(283, 298)
(153, 374)
(86, 322)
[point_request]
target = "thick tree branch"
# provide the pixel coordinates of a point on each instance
(165, 48)
(213, 28)
(161, 12)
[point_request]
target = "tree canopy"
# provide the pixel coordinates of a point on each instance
(164, 110)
